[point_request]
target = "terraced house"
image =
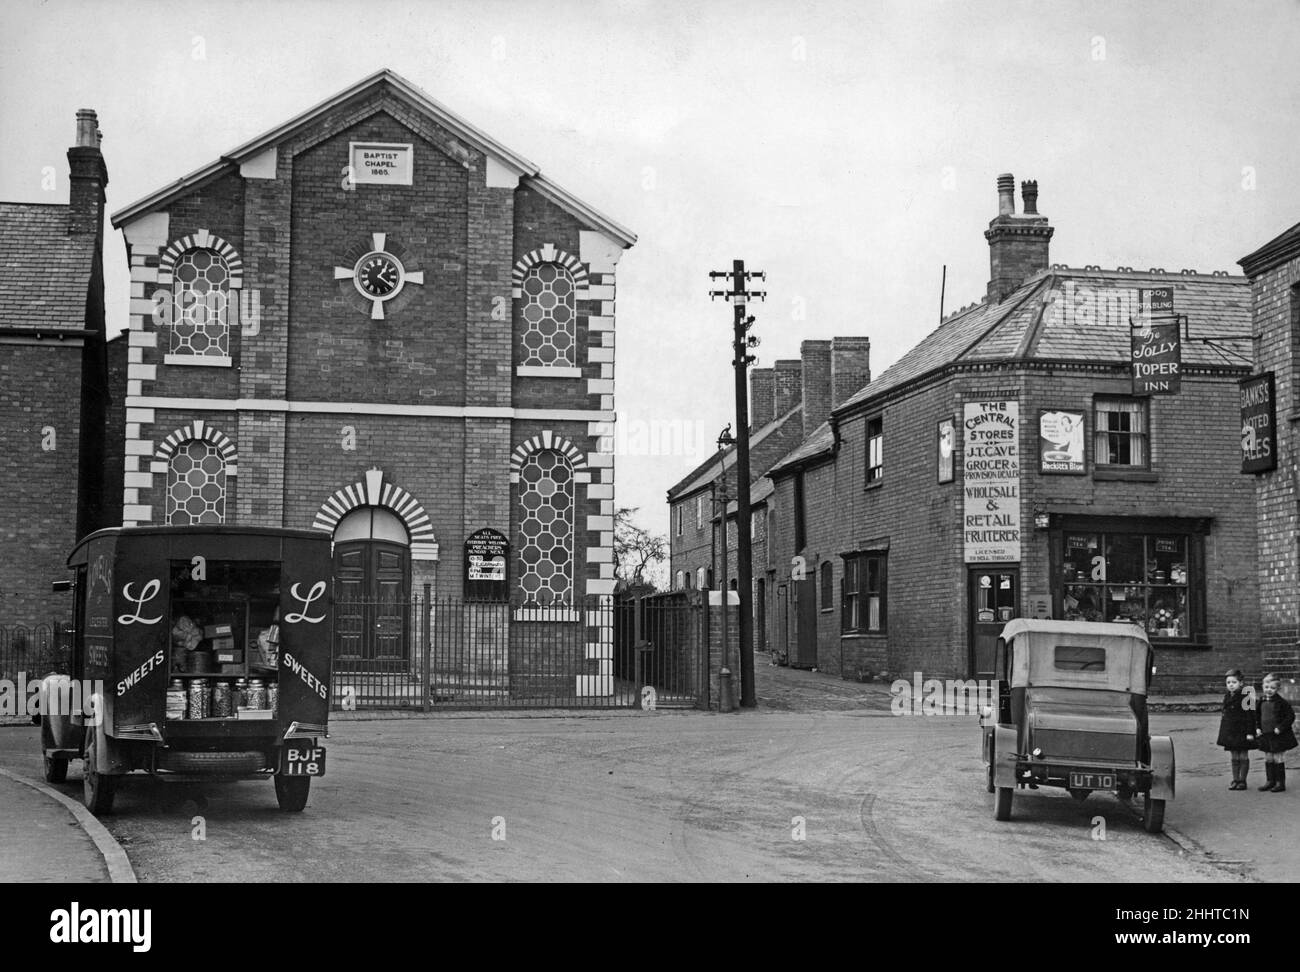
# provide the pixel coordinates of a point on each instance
(1069, 446)
(377, 321)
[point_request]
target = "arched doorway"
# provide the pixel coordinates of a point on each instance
(372, 583)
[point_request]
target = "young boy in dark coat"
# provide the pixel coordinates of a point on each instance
(1237, 728)
(1274, 721)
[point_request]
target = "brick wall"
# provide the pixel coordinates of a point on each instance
(1195, 459)
(41, 441)
(1277, 349)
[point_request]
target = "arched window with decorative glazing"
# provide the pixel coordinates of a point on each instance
(550, 316)
(201, 316)
(196, 484)
(546, 499)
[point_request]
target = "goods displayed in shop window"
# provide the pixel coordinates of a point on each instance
(1132, 578)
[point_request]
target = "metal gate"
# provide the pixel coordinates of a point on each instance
(457, 653)
(27, 655)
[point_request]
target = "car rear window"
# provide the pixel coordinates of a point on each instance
(1077, 658)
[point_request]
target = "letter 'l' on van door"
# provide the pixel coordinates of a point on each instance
(993, 599)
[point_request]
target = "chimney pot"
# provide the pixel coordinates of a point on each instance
(87, 128)
(1029, 190)
(1006, 194)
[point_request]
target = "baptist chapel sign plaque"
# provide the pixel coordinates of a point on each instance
(380, 163)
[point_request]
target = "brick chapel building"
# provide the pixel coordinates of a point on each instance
(377, 321)
(54, 393)
(1008, 466)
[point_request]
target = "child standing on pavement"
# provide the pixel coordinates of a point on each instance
(1237, 728)
(1274, 719)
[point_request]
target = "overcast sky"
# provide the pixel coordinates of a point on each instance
(849, 149)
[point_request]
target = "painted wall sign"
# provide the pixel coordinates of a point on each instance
(487, 552)
(991, 482)
(1258, 424)
(380, 163)
(1155, 344)
(1060, 441)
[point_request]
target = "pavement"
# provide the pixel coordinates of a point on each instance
(47, 836)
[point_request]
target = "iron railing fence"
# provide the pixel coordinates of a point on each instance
(27, 654)
(429, 652)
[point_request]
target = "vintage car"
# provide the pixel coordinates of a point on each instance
(1071, 712)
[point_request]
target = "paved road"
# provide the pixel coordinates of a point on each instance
(660, 796)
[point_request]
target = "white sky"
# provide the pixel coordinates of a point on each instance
(849, 149)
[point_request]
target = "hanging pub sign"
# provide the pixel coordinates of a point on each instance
(1258, 424)
(486, 555)
(1155, 345)
(991, 482)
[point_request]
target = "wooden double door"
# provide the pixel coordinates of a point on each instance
(372, 612)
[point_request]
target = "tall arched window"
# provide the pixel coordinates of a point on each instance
(550, 313)
(200, 318)
(546, 497)
(196, 484)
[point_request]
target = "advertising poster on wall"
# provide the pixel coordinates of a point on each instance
(947, 445)
(1060, 441)
(991, 482)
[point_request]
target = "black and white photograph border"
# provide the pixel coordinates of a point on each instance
(316, 460)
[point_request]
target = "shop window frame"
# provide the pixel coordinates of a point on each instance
(1192, 531)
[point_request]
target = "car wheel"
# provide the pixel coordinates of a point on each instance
(1002, 803)
(97, 789)
(291, 792)
(1153, 815)
(56, 769)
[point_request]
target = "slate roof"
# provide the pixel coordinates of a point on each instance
(1276, 251)
(707, 471)
(1064, 315)
(1081, 316)
(413, 95)
(44, 271)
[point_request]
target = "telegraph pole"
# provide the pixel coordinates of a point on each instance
(741, 361)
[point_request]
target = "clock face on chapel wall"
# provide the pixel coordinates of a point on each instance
(379, 275)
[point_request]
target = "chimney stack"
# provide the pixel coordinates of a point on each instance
(789, 387)
(87, 177)
(762, 391)
(1006, 194)
(1018, 245)
(816, 391)
(1029, 190)
(850, 367)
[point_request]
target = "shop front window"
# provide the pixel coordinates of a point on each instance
(1142, 578)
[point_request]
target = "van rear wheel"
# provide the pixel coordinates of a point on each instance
(291, 792)
(97, 789)
(56, 769)
(1002, 803)
(1153, 815)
